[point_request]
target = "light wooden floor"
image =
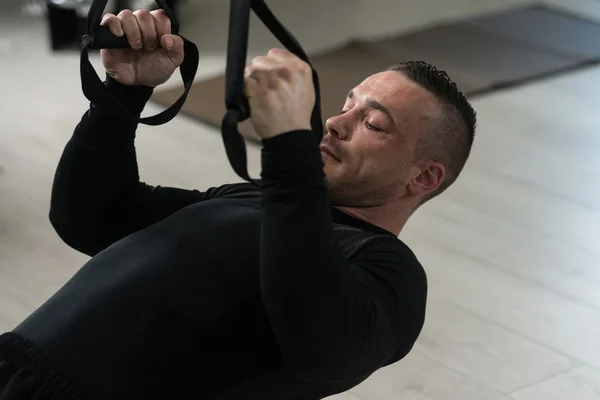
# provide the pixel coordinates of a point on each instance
(512, 250)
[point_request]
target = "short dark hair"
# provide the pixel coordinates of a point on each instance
(448, 134)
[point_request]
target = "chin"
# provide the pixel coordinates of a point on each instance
(337, 191)
(331, 178)
(330, 169)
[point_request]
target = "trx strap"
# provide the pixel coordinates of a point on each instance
(238, 109)
(99, 37)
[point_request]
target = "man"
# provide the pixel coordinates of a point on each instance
(297, 289)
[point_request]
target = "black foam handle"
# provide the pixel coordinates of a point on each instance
(104, 39)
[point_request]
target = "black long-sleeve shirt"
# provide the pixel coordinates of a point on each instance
(240, 282)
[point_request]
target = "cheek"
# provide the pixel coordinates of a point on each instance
(387, 163)
(375, 158)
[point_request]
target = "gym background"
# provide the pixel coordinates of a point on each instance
(512, 250)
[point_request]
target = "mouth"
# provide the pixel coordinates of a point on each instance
(328, 153)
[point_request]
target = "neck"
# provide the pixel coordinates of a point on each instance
(391, 216)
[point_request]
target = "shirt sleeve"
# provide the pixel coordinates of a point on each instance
(97, 195)
(334, 319)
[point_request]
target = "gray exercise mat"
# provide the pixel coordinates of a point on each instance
(482, 54)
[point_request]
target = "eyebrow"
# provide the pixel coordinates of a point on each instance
(374, 104)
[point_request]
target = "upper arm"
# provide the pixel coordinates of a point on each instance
(398, 282)
(92, 232)
(155, 203)
(382, 319)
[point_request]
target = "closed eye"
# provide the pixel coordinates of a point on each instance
(368, 125)
(371, 127)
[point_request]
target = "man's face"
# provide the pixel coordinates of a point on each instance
(369, 147)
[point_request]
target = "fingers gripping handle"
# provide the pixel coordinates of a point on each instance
(236, 102)
(104, 39)
(100, 37)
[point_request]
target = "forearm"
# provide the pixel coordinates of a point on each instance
(299, 258)
(97, 175)
(326, 321)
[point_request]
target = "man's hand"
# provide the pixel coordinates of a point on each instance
(155, 53)
(280, 90)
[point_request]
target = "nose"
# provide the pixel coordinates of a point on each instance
(335, 126)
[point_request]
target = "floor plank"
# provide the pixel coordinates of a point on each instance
(419, 378)
(526, 308)
(485, 351)
(582, 384)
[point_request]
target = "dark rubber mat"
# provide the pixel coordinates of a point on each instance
(482, 55)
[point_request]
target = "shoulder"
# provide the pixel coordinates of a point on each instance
(234, 190)
(389, 253)
(397, 280)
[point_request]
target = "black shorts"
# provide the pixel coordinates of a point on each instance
(27, 374)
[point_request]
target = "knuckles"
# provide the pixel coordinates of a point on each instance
(279, 62)
(159, 12)
(160, 15)
(125, 13)
(276, 52)
(304, 67)
(142, 14)
(109, 18)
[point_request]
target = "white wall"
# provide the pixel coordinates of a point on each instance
(319, 24)
(9, 5)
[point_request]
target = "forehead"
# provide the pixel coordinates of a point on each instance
(394, 90)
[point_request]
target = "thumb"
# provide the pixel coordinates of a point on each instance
(252, 86)
(173, 44)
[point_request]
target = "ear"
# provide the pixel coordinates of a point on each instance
(426, 178)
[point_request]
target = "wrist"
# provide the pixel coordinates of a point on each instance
(292, 155)
(132, 97)
(269, 133)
